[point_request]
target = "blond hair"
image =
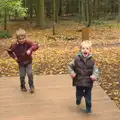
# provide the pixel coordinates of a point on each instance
(20, 32)
(86, 43)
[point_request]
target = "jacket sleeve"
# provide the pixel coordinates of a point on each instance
(71, 67)
(95, 72)
(10, 52)
(33, 46)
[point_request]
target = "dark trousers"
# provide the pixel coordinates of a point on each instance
(23, 70)
(86, 93)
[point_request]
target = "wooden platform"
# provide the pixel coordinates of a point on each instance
(54, 99)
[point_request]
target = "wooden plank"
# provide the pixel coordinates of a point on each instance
(54, 100)
(85, 33)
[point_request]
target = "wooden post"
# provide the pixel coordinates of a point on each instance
(85, 33)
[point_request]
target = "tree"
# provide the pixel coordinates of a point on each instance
(48, 8)
(80, 10)
(54, 15)
(8, 7)
(119, 12)
(40, 14)
(61, 8)
(88, 6)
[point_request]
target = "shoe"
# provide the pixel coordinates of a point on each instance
(78, 102)
(88, 111)
(32, 89)
(23, 88)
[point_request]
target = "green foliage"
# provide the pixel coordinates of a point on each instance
(109, 24)
(16, 6)
(11, 6)
(5, 34)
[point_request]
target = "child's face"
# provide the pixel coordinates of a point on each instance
(85, 50)
(21, 39)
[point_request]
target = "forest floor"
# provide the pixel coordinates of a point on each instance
(56, 51)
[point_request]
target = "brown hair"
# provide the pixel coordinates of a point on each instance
(20, 32)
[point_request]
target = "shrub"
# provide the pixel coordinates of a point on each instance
(5, 34)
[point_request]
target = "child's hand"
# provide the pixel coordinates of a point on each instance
(73, 75)
(92, 78)
(16, 59)
(28, 52)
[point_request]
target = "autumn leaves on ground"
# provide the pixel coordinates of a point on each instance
(56, 51)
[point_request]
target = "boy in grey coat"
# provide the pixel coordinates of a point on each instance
(84, 72)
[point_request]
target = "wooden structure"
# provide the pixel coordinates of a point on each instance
(85, 33)
(54, 99)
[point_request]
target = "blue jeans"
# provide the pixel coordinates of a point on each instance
(23, 70)
(86, 93)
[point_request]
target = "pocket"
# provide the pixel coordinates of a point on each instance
(26, 62)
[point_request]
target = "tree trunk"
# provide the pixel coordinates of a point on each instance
(68, 7)
(40, 18)
(74, 6)
(48, 5)
(83, 10)
(89, 12)
(61, 8)
(93, 9)
(57, 4)
(5, 19)
(30, 9)
(86, 11)
(79, 10)
(98, 9)
(119, 12)
(54, 15)
(24, 3)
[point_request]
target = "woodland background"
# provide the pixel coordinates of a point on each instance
(57, 25)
